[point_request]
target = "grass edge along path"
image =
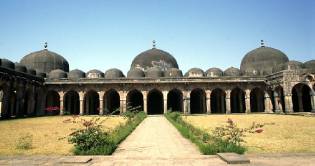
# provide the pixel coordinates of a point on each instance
(207, 144)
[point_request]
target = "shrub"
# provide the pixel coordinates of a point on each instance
(25, 142)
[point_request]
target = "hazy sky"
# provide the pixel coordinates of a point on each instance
(103, 34)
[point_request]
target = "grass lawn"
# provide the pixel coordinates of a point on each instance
(46, 132)
(288, 134)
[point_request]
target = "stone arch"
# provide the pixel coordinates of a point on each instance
(29, 103)
(6, 101)
(155, 102)
(175, 100)
(280, 97)
(257, 100)
(112, 102)
(217, 99)
(72, 103)
(301, 98)
(52, 103)
(237, 101)
(12, 103)
(134, 100)
(91, 103)
(198, 101)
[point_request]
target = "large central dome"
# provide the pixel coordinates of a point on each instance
(154, 58)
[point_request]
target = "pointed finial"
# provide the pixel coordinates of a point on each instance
(153, 43)
(46, 45)
(262, 43)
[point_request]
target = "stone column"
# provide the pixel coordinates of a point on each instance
(247, 101)
(228, 101)
(145, 104)
(186, 102)
(122, 95)
(288, 103)
(165, 101)
(208, 101)
(101, 97)
(81, 96)
(300, 101)
(276, 101)
(61, 95)
(313, 100)
(267, 103)
(1, 97)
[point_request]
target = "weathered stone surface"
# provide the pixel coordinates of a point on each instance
(233, 158)
(76, 159)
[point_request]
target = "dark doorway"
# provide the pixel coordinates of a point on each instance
(301, 98)
(257, 100)
(155, 102)
(198, 101)
(112, 102)
(238, 101)
(52, 103)
(72, 103)
(91, 103)
(135, 100)
(218, 101)
(175, 100)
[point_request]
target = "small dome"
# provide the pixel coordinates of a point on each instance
(45, 61)
(173, 72)
(232, 71)
(154, 58)
(195, 72)
(39, 74)
(94, 74)
(309, 64)
(20, 68)
(31, 71)
(76, 74)
(57, 74)
(214, 72)
(262, 60)
(7, 64)
(291, 65)
(154, 72)
(135, 73)
(113, 73)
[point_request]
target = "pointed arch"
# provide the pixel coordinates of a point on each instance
(301, 98)
(134, 100)
(72, 103)
(155, 102)
(237, 101)
(198, 101)
(91, 103)
(218, 101)
(112, 102)
(257, 100)
(52, 103)
(175, 100)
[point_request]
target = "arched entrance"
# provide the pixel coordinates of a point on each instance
(175, 100)
(155, 102)
(280, 98)
(218, 101)
(198, 101)
(134, 100)
(301, 98)
(112, 102)
(52, 103)
(91, 103)
(72, 103)
(257, 100)
(238, 101)
(12, 104)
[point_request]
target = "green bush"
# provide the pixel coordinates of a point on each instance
(25, 142)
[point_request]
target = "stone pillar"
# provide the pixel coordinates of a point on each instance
(123, 107)
(276, 101)
(101, 97)
(267, 103)
(313, 100)
(208, 101)
(61, 95)
(1, 97)
(228, 101)
(300, 101)
(81, 96)
(165, 101)
(247, 101)
(186, 102)
(145, 104)
(288, 103)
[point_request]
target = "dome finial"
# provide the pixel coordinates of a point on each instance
(154, 44)
(46, 45)
(262, 43)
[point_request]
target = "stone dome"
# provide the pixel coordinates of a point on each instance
(20, 68)
(76, 74)
(309, 64)
(113, 73)
(95, 74)
(154, 72)
(135, 73)
(7, 64)
(194, 72)
(292, 65)
(232, 71)
(57, 74)
(31, 71)
(262, 60)
(214, 72)
(154, 58)
(45, 61)
(173, 72)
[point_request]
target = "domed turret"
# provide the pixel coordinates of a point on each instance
(45, 61)
(232, 71)
(309, 64)
(154, 72)
(262, 60)
(94, 74)
(173, 72)
(135, 73)
(194, 72)
(76, 74)
(214, 72)
(291, 65)
(113, 73)
(7, 64)
(57, 74)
